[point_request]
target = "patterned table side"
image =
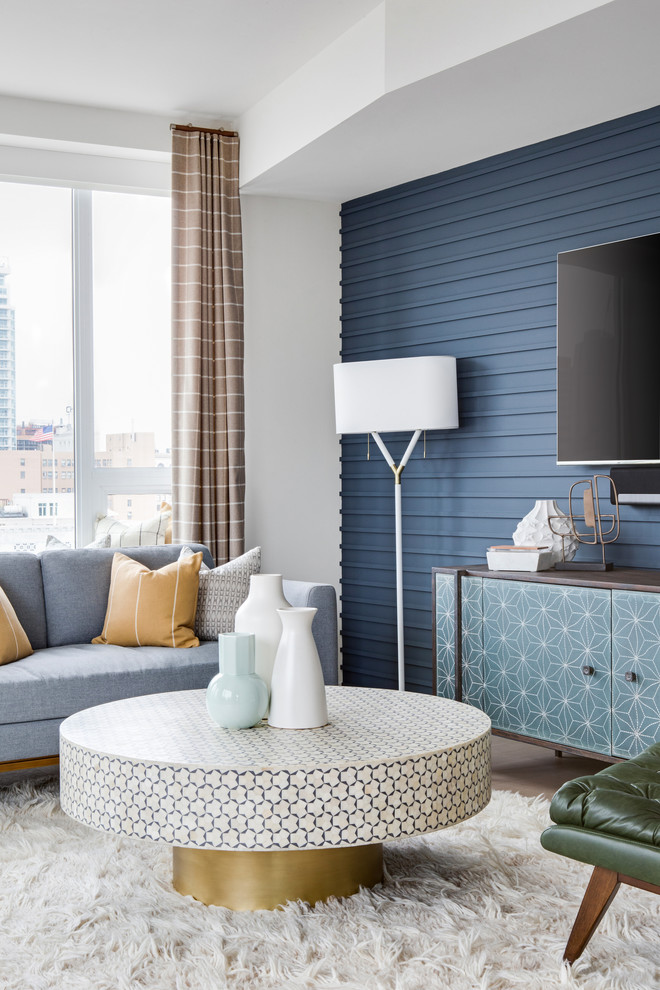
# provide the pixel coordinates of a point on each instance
(298, 809)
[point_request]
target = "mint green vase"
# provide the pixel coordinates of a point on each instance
(236, 698)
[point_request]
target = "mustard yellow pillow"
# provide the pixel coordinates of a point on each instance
(14, 644)
(151, 608)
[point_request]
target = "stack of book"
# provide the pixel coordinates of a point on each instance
(510, 558)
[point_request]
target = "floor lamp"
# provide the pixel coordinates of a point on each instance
(393, 396)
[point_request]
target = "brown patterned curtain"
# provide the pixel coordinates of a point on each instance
(208, 460)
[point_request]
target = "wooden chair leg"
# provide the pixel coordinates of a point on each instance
(598, 896)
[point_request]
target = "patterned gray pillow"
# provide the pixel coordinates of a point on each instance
(221, 592)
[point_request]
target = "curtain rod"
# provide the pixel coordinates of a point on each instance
(207, 130)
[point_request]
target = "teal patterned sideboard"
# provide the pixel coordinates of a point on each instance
(569, 660)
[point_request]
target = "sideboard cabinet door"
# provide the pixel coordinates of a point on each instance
(635, 671)
(471, 618)
(472, 641)
(445, 634)
(547, 662)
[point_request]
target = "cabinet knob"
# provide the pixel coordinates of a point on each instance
(587, 670)
(630, 675)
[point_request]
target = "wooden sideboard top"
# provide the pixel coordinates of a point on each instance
(620, 578)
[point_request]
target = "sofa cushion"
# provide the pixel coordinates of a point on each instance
(57, 682)
(76, 586)
(222, 590)
(152, 608)
(20, 576)
(622, 800)
(14, 644)
(612, 818)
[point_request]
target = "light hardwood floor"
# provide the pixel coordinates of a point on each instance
(532, 770)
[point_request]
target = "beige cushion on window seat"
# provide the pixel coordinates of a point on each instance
(151, 532)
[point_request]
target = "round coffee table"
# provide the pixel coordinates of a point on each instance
(261, 816)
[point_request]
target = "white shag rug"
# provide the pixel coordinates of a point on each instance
(480, 905)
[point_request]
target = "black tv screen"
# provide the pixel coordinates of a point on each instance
(608, 353)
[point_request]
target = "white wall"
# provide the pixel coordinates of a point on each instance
(291, 262)
(87, 147)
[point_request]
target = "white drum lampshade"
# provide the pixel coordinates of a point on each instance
(417, 393)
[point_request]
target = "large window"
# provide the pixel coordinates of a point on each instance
(84, 361)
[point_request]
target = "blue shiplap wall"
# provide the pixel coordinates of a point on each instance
(464, 263)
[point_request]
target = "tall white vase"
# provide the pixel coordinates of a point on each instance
(297, 698)
(534, 530)
(258, 614)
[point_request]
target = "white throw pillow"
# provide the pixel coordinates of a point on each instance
(149, 533)
(52, 543)
(221, 591)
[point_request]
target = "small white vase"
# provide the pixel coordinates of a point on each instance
(258, 615)
(534, 530)
(297, 697)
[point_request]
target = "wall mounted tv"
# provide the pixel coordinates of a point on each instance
(608, 353)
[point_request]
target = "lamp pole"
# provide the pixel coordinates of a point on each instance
(398, 546)
(397, 395)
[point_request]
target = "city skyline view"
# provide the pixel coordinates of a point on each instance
(131, 306)
(129, 291)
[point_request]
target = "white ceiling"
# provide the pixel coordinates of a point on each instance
(170, 57)
(592, 68)
(336, 98)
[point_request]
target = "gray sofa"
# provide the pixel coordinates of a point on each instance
(60, 598)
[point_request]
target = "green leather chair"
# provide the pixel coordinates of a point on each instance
(611, 820)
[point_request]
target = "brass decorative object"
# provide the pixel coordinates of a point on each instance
(594, 521)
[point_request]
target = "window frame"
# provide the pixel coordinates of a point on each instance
(93, 485)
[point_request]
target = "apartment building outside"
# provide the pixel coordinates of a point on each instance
(20, 473)
(37, 486)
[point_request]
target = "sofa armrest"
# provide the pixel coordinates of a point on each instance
(324, 627)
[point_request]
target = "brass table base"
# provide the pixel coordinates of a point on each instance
(252, 881)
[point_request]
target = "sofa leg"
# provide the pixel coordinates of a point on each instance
(598, 896)
(9, 766)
